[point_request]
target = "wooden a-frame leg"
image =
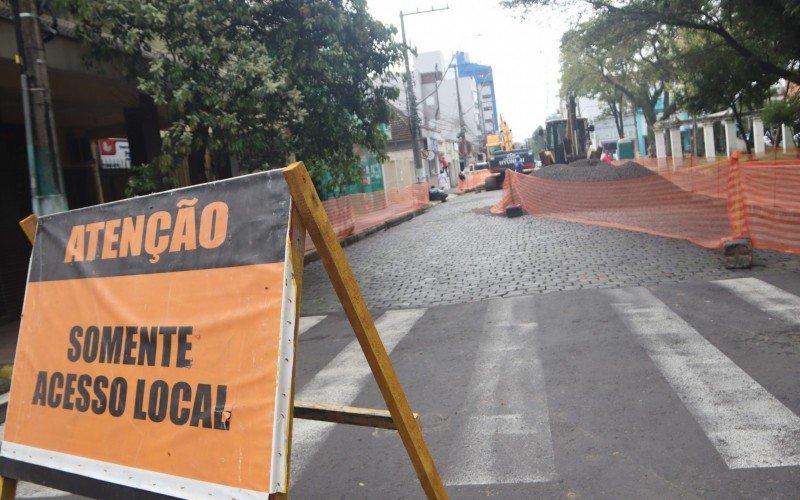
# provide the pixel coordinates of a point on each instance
(315, 219)
(8, 488)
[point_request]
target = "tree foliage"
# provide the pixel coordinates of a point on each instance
(260, 80)
(611, 62)
(714, 78)
(536, 142)
(764, 33)
(787, 111)
(584, 77)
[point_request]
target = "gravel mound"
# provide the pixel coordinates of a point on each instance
(592, 171)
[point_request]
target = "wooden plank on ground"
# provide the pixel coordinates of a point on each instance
(351, 415)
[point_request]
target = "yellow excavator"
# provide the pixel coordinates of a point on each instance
(567, 139)
(501, 155)
(498, 143)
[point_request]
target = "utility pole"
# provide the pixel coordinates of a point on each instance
(47, 181)
(463, 132)
(411, 99)
(636, 152)
(482, 117)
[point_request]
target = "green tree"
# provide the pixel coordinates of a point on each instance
(713, 78)
(583, 77)
(537, 141)
(610, 62)
(765, 33)
(339, 58)
(260, 80)
(780, 112)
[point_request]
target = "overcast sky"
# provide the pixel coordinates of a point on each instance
(523, 53)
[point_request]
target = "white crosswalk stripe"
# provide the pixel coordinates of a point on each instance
(504, 371)
(341, 381)
(747, 425)
(309, 322)
(505, 435)
(769, 298)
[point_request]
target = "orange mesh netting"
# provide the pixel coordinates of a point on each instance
(769, 204)
(705, 204)
(356, 213)
(473, 180)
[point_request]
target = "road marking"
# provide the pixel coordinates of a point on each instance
(341, 381)
(769, 298)
(309, 322)
(4, 398)
(506, 438)
(745, 423)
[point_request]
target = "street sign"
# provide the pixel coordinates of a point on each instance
(157, 348)
(149, 347)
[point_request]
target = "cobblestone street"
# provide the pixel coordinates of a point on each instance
(458, 252)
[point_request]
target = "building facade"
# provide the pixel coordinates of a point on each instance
(438, 93)
(482, 75)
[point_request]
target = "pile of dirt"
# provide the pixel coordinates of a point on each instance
(592, 171)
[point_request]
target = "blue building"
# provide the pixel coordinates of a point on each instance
(484, 82)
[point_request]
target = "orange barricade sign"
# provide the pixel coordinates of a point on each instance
(149, 347)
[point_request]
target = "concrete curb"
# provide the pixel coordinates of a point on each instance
(349, 240)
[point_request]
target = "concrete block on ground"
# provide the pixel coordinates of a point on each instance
(514, 211)
(738, 253)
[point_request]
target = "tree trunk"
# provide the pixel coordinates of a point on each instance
(650, 116)
(617, 115)
(738, 117)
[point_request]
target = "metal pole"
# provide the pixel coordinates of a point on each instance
(26, 111)
(482, 117)
(636, 152)
(411, 98)
(411, 102)
(462, 133)
(47, 182)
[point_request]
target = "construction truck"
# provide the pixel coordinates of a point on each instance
(499, 143)
(501, 155)
(566, 139)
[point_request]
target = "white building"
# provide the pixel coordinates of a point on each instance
(440, 121)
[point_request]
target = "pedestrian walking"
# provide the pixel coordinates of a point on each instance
(444, 181)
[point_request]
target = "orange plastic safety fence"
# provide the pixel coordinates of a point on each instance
(473, 180)
(704, 204)
(356, 213)
(671, 164)
(770, 204)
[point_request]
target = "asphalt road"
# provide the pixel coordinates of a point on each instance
(553, 359)
(670, 391)
(458, 252)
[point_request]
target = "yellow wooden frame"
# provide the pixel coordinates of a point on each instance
(309, 215)
(309, 207)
